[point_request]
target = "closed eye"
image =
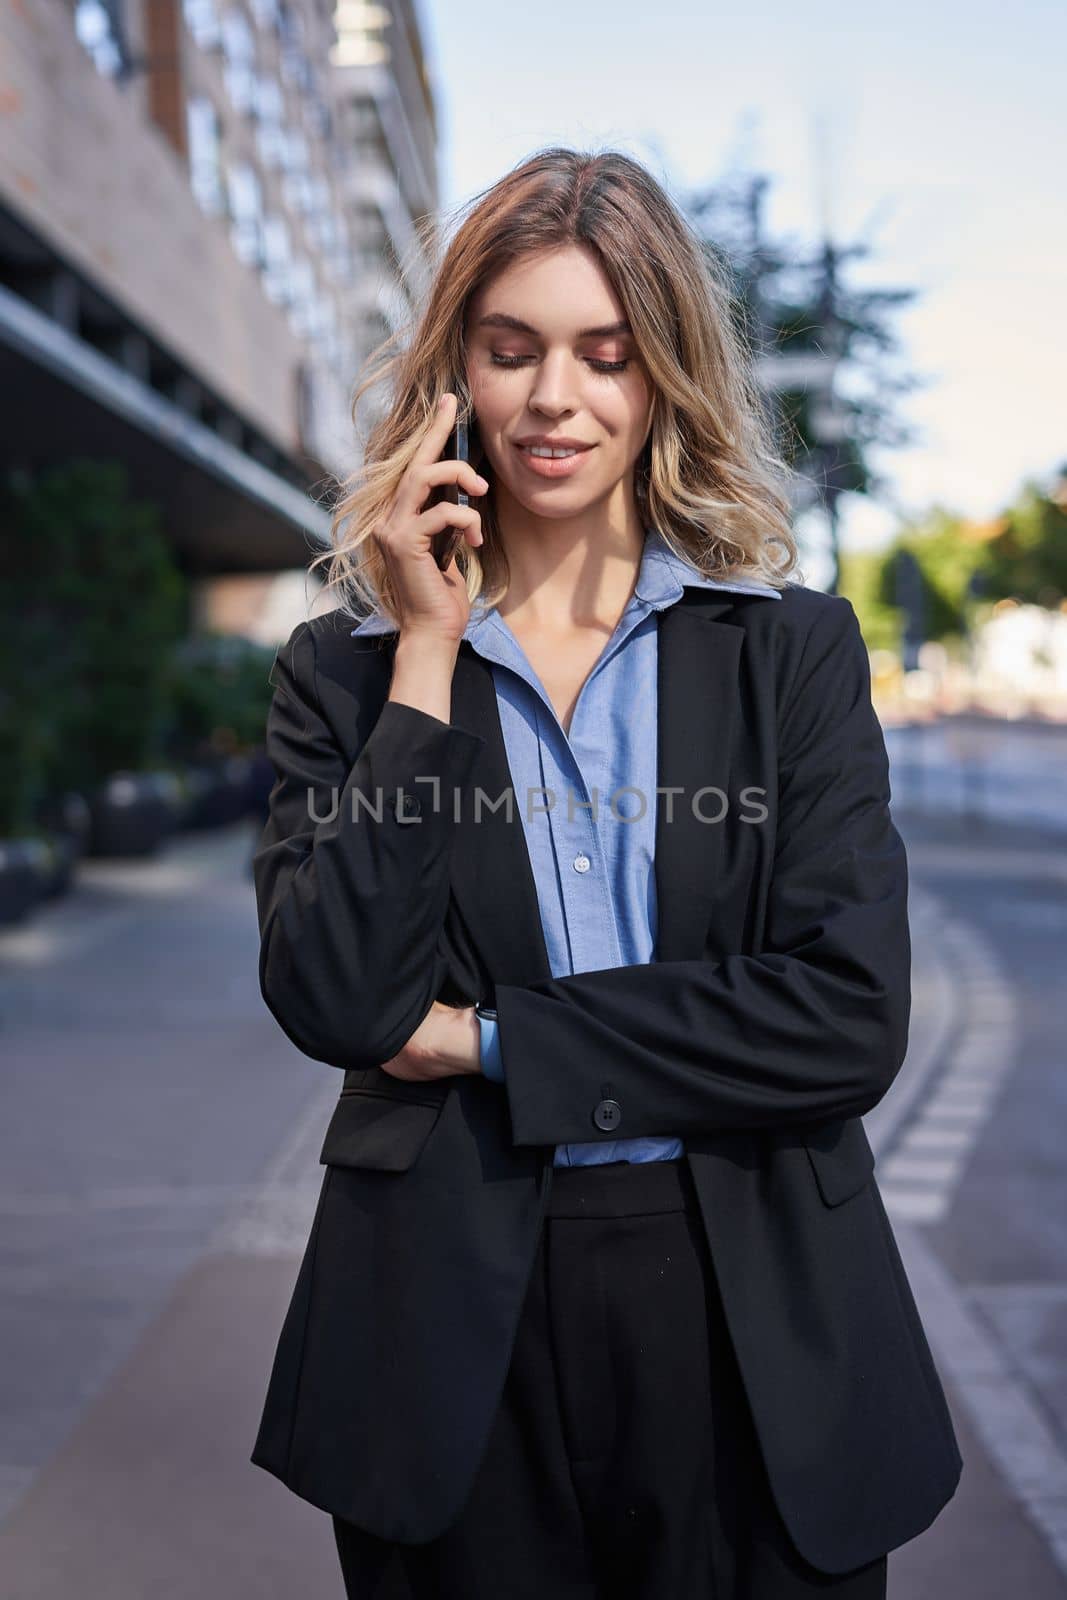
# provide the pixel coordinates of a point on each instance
(598, 366)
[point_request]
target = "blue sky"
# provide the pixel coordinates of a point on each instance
(936, 132)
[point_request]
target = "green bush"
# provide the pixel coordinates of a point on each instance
(219, 696)
(93, 608)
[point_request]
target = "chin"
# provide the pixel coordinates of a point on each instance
(557, 505)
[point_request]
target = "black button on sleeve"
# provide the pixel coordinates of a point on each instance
(405, 804)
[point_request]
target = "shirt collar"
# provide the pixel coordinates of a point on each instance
(661, 578)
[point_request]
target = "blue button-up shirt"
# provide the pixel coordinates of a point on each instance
(588, 800)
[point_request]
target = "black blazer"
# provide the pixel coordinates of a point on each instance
(775, 1015)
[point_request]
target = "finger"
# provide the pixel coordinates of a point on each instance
(456, 538)
(419, 483)
(433, 442)
(413, 487)
(453, 471)
(445, 515)
(450, 569)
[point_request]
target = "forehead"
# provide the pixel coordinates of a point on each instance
(562, 289)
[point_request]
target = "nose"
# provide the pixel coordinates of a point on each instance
(553, 390)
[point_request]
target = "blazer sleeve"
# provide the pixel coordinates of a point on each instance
(813, 1027)
(351, 886)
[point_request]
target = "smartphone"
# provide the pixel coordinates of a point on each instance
(445, 543)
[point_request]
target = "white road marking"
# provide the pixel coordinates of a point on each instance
(1009, 1422)
(951, 1102)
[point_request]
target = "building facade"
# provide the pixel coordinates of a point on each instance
(207, 213)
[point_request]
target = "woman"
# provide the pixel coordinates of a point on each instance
(580, 865)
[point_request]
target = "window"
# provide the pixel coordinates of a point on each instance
(319, 221)
(325, 331)
(302, 302)
(296, 70)
(270, 110)
(246, 213)
(267, 13)
(296, 190)
(202, 20)
(317, 117)
(269, 102)
(239, 51)
(295, 153)
(340, 257)
(205, 171)
(297, 185)
(290, 26)
(96, 24)
(361, 38)
(277, 260)
(322, 229)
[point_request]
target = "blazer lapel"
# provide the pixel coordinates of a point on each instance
(698, 688)
(491, 876)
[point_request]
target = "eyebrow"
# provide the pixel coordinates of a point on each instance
(500, 319)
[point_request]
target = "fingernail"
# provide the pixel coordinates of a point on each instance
(483, 481)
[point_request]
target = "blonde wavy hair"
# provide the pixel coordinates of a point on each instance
(709, 479)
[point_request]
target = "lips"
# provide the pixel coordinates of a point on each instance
(554, 466)
(547, 453)
(553, 442)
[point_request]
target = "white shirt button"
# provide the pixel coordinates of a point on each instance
(582, 863)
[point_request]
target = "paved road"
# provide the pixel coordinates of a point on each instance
(975, 1178)
(160, 1168)
(973, 765)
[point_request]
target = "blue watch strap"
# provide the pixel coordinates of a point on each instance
(492, 1061)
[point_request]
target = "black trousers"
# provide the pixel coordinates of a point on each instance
(622, 1463)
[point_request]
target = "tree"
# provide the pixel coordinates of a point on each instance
(1027, 559)
(828, 356)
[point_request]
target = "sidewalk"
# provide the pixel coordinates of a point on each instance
(151, 1232)
(154, 1100)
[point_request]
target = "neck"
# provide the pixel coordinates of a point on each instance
(570, 572)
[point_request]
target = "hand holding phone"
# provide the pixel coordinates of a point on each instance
(413, 523)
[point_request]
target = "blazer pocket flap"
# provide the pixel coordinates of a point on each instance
(382, 1132)
(841, 1158)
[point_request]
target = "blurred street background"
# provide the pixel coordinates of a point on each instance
(212, 212)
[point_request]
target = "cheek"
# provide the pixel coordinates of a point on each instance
(493, 405)
(624, 411)
(638, 397)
